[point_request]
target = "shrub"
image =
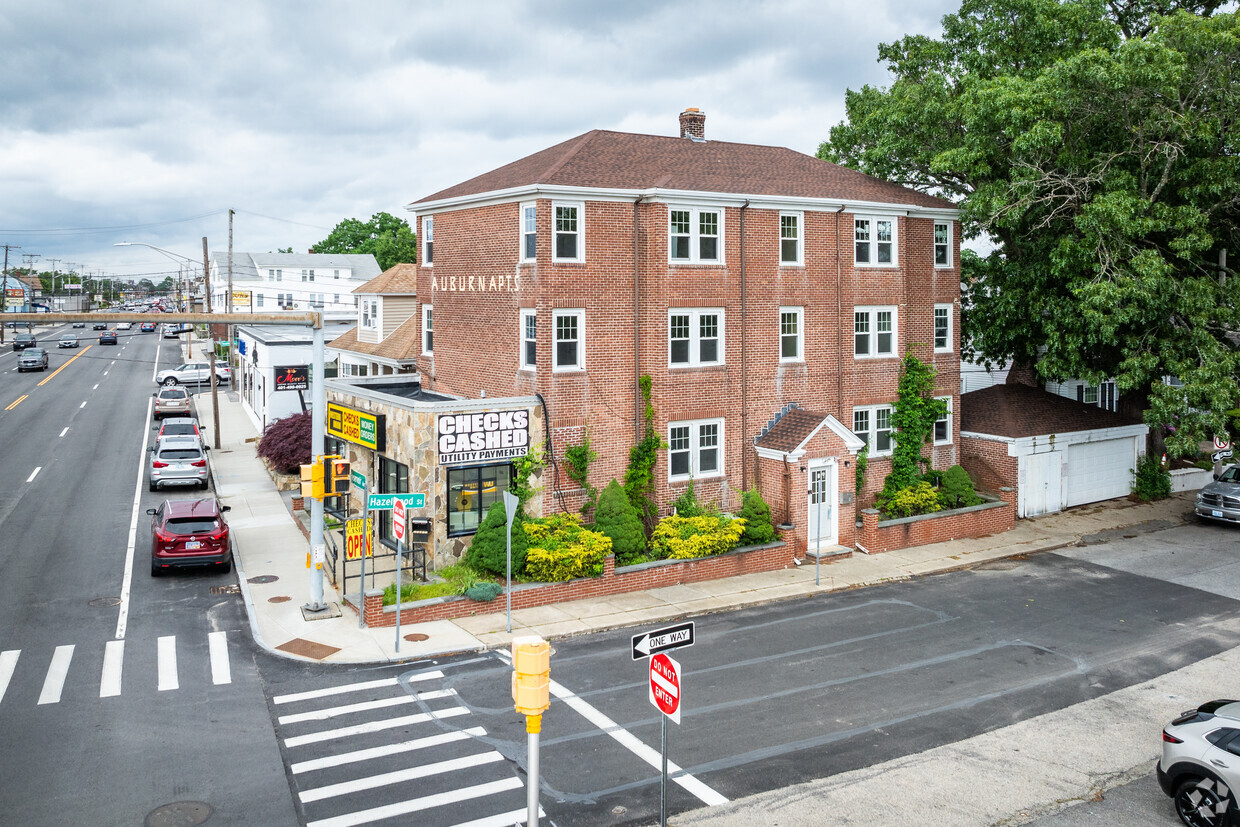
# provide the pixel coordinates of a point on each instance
(688, 538)
(919, 498)
(286, 443)
(757, 516)
(484, 591)
(561, 549)
(956, 489)
(1152, 481)
(489, 550)
(687, 504)
(616, 517)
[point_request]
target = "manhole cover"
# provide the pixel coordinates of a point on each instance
(416, 636)
(284, 598)
(104, 602)
(263, 578)
(225, 590)
(179, 814)
(618, 810)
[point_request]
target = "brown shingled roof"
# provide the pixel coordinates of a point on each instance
(1021, 411)
(402, 345)
(399, 278)
(620, 160)
(790, 431)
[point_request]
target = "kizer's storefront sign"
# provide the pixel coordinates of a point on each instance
(483, 436)
(361, 428)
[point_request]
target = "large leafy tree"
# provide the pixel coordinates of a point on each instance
(1095, 145)
(386, 237)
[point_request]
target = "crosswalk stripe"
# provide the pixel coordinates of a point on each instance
(113, 657)
(8, 662)
(398, 776)
(221, 672)
(384, 751)
(54, 683)
(364, 706)
(508, 819)
(414, 805)
(352, 687)
(374, 726)
(167, 650)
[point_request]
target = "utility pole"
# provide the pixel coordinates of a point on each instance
(4, 281)
(231, 335)
(55, 273)
(215, 395)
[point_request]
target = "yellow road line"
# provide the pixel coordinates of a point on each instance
(62, 367)
(18, 401)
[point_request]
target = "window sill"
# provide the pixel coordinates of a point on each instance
(568, 370)
(568, 261)
(526, 369)
(947, 350)
(708, 367)
(695, 478)
(683, 263)
(797, 361)
(792, 264)
(865, 358)
(884, 266)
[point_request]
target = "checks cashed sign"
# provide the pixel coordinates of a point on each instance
(483, 436)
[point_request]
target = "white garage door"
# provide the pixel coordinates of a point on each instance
(1100, 470)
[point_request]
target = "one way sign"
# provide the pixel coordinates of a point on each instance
(661, 640)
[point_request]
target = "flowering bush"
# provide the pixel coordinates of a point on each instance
(688, 538)
(560, 549)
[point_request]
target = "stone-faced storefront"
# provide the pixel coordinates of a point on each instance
(458, 452)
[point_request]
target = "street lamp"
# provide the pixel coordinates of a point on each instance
(177, 257)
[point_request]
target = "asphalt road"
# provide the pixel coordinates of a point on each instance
(120, 696)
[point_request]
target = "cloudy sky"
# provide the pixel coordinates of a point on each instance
(148, 121)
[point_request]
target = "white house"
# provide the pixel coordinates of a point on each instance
(271, 282)
(265, 352)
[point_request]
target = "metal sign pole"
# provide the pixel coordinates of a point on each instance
(818, 528)
(663, 777)
(511, 502)
(361, 585)
(400, 555)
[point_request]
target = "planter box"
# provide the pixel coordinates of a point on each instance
(640, 577)
(959, 523)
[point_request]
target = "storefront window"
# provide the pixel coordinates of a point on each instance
(393, 479)
(471, 491)
(337, 507)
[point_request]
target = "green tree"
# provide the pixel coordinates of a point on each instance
(1095, 144)
(387, 238)
(757, 516)
(489, 550)
(616, 517)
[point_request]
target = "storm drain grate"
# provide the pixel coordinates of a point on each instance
(104, 602)
(226, 589)
(263, 578)
(308, 648)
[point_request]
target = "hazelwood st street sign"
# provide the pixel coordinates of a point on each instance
(384, 502)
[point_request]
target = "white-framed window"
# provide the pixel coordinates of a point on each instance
(695, 449)
(791, 246)
(873, 425)
(943, 427)
(874, 332)
(428, 241)
(942, 244)
(311, 275)
(271, 275)
(874, 240)
(279, 275)
(370, 313)
(942, 328)
(529, 232)
(529, 339)
(569, 244)
(569, 353)
(694, 337)
(335, 274)
(428, 340)
(258, 299)
(335, 298)
(791, 334)
(304, 275)
(695, 236)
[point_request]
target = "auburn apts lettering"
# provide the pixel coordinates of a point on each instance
(474, 437)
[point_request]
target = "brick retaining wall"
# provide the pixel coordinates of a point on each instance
(627, 579)
(958, 524)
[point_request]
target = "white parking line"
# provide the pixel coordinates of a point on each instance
(83, 405)
(34, 474)
(8, 662)
(166, 647)
(54, 683)
(65, 431)
(113, 658)
(221, 672)
(95, 388)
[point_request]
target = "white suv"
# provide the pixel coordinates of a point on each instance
(194, 373)
(1200, 765)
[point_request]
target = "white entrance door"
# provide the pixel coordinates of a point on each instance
(1041, 489)
(822, 527)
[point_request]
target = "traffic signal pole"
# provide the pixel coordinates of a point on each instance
(318, 551)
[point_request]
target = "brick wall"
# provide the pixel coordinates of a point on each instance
(988, 463)
(977, 521)
(628, 579)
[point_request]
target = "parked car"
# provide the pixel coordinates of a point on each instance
(100, 326)
(32, 358)
(81, 325)
(17, 325)
(1220, 500)
(178, 460)
(107, 337)
(67, 340)
(147, 327)
(179, 426)
(190, 533)
(194, 373)
(1200, 764)
(21, 341)
(171, 401)
(171, 331)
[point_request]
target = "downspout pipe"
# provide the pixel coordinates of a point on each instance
(839, 327)
(746, 442)
(638, 411)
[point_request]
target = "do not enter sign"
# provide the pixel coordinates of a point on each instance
(665, 686)
(398, 520)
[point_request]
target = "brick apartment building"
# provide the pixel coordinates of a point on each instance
(769, 295)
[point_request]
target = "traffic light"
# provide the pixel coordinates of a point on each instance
(531, 676)
(335, 476)
(312, 481)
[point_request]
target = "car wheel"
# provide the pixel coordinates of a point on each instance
(171, 380)
(154, 486)
(226, 568)
(156, 571)
(1198, 803)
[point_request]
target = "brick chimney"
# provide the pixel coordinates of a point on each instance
(1023, 375)
(693, 124)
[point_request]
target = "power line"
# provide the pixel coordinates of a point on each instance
(89, 230)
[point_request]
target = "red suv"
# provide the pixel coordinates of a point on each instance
(189, 533)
